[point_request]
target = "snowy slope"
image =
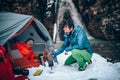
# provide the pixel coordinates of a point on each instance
(100, 69)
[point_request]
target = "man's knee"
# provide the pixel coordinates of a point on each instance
(75, 52)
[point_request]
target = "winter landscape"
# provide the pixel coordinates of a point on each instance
(100, 17)
(100, 69)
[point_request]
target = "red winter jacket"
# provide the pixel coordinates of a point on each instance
(25, 51)
(6, 72)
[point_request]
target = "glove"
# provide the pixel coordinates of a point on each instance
(18, 70)
(54, 57)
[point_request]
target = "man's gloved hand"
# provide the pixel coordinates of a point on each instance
(54, 57)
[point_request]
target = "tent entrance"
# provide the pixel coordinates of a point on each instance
(30, 32)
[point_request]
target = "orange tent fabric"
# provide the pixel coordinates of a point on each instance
(5, 66)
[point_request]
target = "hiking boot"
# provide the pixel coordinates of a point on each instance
(90, 61)
(82, 69)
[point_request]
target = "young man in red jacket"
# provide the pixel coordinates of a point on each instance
(25, 48)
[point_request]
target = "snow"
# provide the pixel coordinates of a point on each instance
(100, 69)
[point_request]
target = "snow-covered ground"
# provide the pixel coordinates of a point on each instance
(100, 69)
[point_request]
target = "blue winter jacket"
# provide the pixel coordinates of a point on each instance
(76, 40)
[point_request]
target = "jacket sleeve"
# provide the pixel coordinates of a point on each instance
(80, 42)
(62, 48)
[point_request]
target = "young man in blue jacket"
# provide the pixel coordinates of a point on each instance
(77, 42)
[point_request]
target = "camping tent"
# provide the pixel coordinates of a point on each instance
(20, 27)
